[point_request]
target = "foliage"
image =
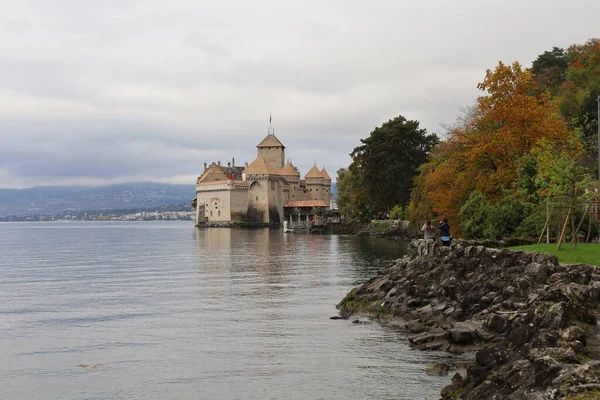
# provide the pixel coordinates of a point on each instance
(531, 226)
(506, 217)
(577, 96)
(485, 147)
(400, 212)
(352, 199)
(474, 215)
(481, 219)
(387, 161)
(550, 69)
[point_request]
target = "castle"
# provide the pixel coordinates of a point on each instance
(266, 191)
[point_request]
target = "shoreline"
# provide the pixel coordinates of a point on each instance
(530, 321)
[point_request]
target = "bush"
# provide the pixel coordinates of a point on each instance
(474, 215)
(399, 212)
(505, 217)
(510, 217)
(532, 225)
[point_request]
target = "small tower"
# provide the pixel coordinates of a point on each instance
(314, 183)
(271, 149)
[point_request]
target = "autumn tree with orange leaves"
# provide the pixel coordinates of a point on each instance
(484, 147)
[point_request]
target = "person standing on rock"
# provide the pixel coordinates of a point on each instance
(428, 231)
(444, 228)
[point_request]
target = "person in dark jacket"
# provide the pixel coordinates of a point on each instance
(444, 228)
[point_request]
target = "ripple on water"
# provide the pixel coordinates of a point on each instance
(162, 310)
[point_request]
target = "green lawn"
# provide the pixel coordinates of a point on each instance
(585, 253)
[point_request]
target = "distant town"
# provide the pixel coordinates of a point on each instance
(165, 213)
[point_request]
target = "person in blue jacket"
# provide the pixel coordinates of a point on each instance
(444, 228)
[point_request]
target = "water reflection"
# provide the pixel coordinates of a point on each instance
(171, 311)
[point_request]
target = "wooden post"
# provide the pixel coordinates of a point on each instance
(573, 231)
(545, 226)
(564, 229)
(589, 227)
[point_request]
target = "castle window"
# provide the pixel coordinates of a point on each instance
(219, 213)
(211, 213)
(256, 198)
(317, 190)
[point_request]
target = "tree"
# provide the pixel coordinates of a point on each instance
(550, 69)
(485, 145)
(562, 179)
(387, 161)
(352, 199)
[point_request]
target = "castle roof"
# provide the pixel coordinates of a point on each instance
(305, 203)
(313, 173)
(289, 170)
(270, 141)
(260, 167)
(324, 174)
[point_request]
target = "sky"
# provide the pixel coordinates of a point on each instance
(112, 91)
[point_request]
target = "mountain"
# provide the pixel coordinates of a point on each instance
(47, 200)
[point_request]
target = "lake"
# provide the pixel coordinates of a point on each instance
(162, 310)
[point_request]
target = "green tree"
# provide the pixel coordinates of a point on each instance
(550, 69)
(388, 161)
(474, 215)
(352, 199)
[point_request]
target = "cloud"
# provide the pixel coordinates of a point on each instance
(150, 90)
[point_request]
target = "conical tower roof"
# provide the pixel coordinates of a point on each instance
(313, 173)
(289, 170)
(260, 167)
(270, 141)
(324, 174)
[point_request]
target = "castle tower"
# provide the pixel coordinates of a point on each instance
(326, 186)
(271, 149)
(292, 177)
(314, 183)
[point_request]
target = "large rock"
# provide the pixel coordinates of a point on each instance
(527, 317)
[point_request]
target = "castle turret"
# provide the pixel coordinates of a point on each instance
(292, 177)
(272, 151)
(314, 183)
(326, 186)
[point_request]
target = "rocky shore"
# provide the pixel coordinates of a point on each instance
(530, 321)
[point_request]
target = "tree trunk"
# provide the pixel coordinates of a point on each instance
(564, 230)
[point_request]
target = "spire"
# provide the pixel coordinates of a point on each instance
(270, 131)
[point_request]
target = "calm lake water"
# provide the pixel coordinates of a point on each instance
(161, 310)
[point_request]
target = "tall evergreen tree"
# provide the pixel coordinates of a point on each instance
(388, 161)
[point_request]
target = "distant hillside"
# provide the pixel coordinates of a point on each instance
(46, 200)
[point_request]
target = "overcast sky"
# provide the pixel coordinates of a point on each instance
(94, 92)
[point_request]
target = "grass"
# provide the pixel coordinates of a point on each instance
(584, 253)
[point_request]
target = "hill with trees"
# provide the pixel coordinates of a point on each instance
(47, 200)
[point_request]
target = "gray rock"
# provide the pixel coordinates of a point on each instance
(462, 336)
